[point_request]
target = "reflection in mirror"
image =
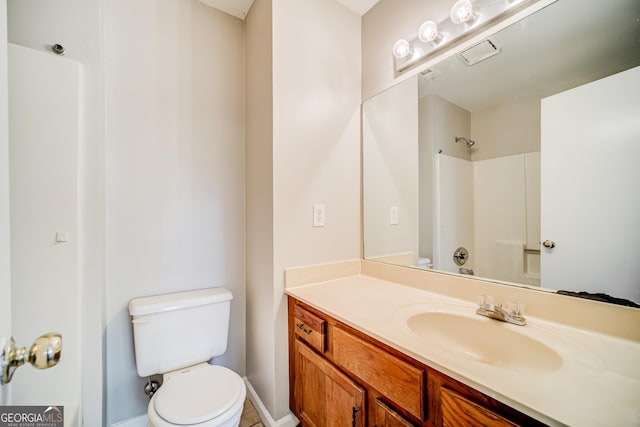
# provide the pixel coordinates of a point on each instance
(527, 160)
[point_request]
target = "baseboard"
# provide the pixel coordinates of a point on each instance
(140, 421)
(288, 420)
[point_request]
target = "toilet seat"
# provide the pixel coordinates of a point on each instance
(201, 395)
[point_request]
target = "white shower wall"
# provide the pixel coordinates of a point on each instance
(507, 217)
(492, 208)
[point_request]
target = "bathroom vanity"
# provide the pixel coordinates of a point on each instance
(340, 377)
(368, 351)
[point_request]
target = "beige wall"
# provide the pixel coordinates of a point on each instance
(316, 147)
(175, 174)
(506, 129)
(390, 152)
(303, 147)
(259, 202)
(426, 154)
(452, 121)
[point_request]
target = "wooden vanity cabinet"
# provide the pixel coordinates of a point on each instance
(340, 377)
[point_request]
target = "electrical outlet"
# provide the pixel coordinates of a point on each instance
(393, 215)
(318, 215)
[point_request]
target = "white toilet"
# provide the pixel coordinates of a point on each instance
(175, 335)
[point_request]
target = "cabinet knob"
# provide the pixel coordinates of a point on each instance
(549, 244)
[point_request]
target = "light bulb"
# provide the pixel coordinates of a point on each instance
(461, 12)
(401, 49)
(428, 32)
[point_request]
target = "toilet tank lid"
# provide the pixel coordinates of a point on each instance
(176, 301)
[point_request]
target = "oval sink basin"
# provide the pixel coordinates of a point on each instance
(484, 340)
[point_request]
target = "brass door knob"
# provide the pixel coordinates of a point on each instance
(44, 353)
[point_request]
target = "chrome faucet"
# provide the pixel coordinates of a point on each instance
(513, 314)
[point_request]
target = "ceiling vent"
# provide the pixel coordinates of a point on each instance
(477, 53)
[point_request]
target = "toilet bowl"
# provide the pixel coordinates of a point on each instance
(199, 396)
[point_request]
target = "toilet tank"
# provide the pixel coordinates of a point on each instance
(173, 331)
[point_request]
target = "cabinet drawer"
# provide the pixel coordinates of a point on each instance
(399, 381)
(458, 411)
(310, 328)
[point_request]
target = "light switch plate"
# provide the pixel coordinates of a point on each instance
(394, 215)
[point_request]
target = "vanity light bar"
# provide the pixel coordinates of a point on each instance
(466, 18)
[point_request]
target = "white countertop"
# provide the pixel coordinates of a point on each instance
(598, 383)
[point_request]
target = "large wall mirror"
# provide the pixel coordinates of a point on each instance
(522, 168)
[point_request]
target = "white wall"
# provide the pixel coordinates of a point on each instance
(5, 259)
(390, 170)
(76, 24)
(174, 137)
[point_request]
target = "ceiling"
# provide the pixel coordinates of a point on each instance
(239, 8)
(359, 6)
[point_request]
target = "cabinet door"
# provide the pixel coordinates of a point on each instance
(387, 417)
(457, 411)
(324, 396)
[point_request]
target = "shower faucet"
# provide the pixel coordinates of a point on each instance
(514, 313)
(470, 143)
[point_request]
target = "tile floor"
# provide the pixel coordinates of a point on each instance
(250, 416)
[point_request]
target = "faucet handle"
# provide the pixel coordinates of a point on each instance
(485, 302)
(515, 309)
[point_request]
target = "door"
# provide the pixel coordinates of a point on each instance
(44, 134)
(5, 263)
(590, 155)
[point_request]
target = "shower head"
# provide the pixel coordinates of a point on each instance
(467, 141)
